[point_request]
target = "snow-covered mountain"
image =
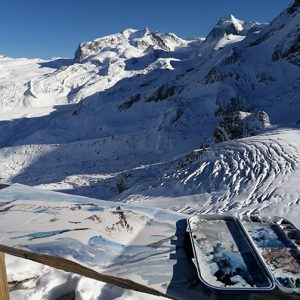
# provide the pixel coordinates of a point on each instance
(199, 125)
(231, 25)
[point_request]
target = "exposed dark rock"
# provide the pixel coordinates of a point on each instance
(215, 75)
(265, 78)
(294, 7)
(240, 124)
(88, 48)
(263, 118)
(232, 58)
(219, 31)
(178, 114)
(159, 41)
(262, 38)
(230, 25)
(79, 56)
(163, 92)
(189, 70)
(75, 112)
(122, 184)
(194, 155)
(289, 48)
(227, 108)
(127, 104)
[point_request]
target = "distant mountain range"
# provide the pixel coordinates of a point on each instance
(207, 124)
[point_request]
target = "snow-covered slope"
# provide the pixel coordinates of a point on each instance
(202, 125)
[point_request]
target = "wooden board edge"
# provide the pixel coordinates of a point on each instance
(4, 292)
(70, 266)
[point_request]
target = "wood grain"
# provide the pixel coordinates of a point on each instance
(70, 266)
(4, 293)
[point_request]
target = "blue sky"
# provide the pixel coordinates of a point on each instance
(49, 28)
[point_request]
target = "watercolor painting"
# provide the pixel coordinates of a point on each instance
(144, 245)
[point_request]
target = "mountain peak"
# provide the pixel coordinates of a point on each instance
(146, 30)
(130, 42)
(229, 24)
(229, 17)
(128, 31)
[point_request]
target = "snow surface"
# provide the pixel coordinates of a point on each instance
(132, 118)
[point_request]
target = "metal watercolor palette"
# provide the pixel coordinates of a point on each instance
(277, 241)
(223, 256)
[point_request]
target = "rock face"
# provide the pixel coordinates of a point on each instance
(289, 47)
(241, 124)
(284, 32)
(163, 92)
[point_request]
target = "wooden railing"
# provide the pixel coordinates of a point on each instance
(4, 293)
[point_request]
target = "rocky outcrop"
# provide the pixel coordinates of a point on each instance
(289, 49)
(127, 104)
(289, 46)
(84, 50)
(240, 124)
(216, 74)
(285, 32)
(293, 7)
(163, 92)
(233, 56)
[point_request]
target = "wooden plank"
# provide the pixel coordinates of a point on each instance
(4, 293)
(69, 266)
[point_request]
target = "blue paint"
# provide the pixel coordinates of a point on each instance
(266, 236)
(45, 234)
(95, 208)
(99, 242)
(45, 211)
